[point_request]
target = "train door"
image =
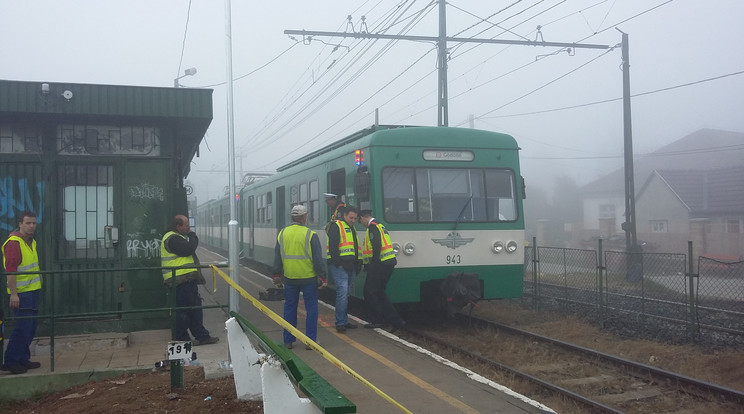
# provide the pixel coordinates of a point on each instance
(337, 185)
(249, 224)
(281, 207)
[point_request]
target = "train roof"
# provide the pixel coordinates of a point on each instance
(433, 134)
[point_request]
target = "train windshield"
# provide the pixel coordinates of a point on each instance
(448, 194)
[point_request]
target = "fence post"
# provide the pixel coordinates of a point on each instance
(691, 289)
(176, 365)
(600, 283)
(534, 275)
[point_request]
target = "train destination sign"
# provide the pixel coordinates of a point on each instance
(444, 155)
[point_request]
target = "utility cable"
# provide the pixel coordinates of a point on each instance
(183, 42)
(617, 99)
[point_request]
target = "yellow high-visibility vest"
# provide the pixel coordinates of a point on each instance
(345, 241)
(169, 260)
(296, 251)
(386, 249)
(29, 263)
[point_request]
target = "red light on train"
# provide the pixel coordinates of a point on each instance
(359, 157)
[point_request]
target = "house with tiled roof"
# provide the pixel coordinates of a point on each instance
(689, 199)
(704, 206)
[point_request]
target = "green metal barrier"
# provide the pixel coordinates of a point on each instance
(327, 398)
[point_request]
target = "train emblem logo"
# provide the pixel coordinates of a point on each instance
(453, 240)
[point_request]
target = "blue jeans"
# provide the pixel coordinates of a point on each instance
(187, 294)
(291, 301)
(343, 279)
(19, 342)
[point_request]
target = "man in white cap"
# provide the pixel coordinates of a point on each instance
(299, 267)
(335, 206)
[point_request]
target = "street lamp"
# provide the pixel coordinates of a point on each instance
(187, 72)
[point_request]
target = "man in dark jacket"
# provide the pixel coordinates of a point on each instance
(343, 263)
(379, 259)
(178, 250)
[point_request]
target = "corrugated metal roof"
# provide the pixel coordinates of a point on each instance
(105, 100)
(187, 110)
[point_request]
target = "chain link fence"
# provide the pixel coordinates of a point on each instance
(653, 295)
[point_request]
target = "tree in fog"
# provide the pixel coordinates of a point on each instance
(564, 208)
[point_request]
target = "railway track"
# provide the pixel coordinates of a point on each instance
(596, 381)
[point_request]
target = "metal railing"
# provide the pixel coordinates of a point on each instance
(641, 294)
(54, 317)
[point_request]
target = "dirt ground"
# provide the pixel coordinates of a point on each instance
(719, 366)
(148, 392)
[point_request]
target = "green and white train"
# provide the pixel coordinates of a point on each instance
(451, 199)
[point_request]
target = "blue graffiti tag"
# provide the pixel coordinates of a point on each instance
(13, 203)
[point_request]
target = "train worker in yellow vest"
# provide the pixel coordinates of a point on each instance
(344, 262)
(178, 250)
(335, 205)
(299, 267)
(19, 255)
(379, 260)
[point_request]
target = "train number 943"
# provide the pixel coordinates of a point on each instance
(453, 259)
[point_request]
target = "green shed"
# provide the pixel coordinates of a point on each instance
(103, 168)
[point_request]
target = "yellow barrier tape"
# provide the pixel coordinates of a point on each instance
(304, 339)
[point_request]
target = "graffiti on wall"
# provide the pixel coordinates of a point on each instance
(146, 191)
(143, 245)
(16, 196)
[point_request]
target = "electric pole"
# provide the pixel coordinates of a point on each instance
(629, 226)
(441, 40)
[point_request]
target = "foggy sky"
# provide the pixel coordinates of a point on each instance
(291, 98)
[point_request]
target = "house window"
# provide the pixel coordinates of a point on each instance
(733, 226)
(86, 193)
(606, 211)
(658, 226)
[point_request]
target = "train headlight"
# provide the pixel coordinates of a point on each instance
(497, 247)
(511, 246)
(396, 248)
(408, 249)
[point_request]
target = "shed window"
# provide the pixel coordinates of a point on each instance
(17, 138)
(86, 194)
(108, 140)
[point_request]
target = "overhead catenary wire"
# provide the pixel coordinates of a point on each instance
(339, 89)
(293, 102)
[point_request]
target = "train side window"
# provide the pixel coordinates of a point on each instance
(269, 208)
(303, 194)
(398, 194)
(501, 195)
(313, 202)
